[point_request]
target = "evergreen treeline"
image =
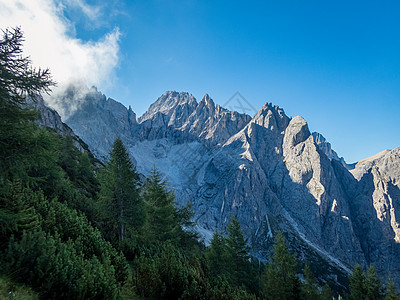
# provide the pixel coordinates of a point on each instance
(70, 229)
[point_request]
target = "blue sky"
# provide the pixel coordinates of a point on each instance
(336, 63)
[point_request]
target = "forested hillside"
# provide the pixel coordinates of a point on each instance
(71, 228)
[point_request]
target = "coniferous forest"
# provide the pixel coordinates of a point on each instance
(72, 227)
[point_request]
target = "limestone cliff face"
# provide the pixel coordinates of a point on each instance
(49, 117)
(314, 197)
(268, 171)
(326, 147)
(98, 120)
(380, 181)
(375, 201)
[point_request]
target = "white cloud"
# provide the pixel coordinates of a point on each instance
(91, 11)
(51, 43)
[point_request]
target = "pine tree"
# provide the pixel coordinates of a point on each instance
(279, 279)
(187, 235)
(23, 147)
(358, 289)
(373, 285)
(16, 211)
(237, 254)
(17, 80)
(326, 293)
(309, 288)
(217, 255)
(162, 221)
(122, 208)
(391, 290)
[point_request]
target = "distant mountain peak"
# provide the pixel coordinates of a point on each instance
(272, 117)
(326, 147)
(208, 101)
(169, 102)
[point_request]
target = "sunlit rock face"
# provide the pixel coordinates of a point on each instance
(375, 195)
(268, 171)
(326, 147)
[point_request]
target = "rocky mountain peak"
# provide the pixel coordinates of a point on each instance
(206, 101)
(387, 162)
(212, 123)
(173, 104)
(271, 117)
(326, 147)
(320, 139)
(296, 132)
(72, 98)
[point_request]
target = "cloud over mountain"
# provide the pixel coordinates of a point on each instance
(51, 41)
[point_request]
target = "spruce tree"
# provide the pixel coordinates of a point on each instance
(391, 290)
(17, 80)
(122, 208)
(279, 279)
(309, 288)
(217, 255)
(373, 285)
(23, 146)
(18, 134)
(326, 293)
(358, 289)
(162, 220)
(237, 254)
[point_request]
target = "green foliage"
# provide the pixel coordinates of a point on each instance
(162, 223)
(167, 273)
(221, 289)
(12, 290)
(57, 269)
(186, 235)
(122, 210)
(366, 285)
(326, 293)
(373, 285)
(228, 259)
(391, 290)
(279, 278)
(237, 254)
(69, 225)
(46, 244)
(164, 220)
(58, 252)
(217, 256)
(28, 152)
(18, 135)
(18, 78)
(309, 288)
(357, 283)
(17, 214)
(77, 167)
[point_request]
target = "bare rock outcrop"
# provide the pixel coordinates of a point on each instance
(326, 147)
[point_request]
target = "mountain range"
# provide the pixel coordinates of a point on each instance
(269, 171)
